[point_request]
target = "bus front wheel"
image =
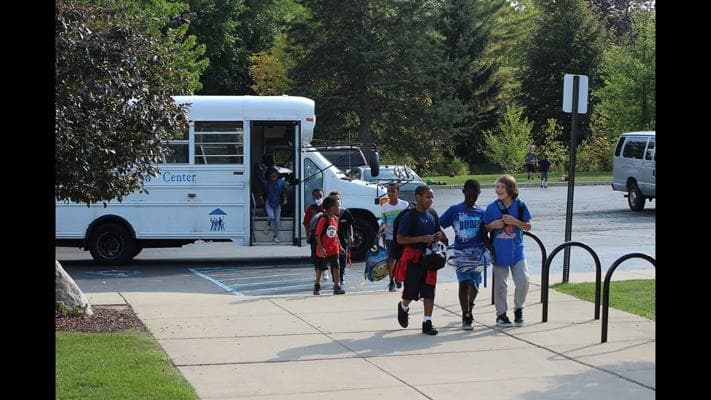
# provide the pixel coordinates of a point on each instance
(363, 237)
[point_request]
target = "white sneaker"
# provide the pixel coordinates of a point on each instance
(276, 239)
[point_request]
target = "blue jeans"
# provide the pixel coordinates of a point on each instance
(273, 214)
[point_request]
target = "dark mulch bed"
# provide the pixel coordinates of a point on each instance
(110, 318)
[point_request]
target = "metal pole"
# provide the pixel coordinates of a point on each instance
(571, 180)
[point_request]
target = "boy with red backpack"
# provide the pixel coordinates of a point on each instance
(328, 246)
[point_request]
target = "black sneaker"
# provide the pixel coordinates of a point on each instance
(402, 315)
(518, 316)
(467, 321)
(428, 329)
(338, 290)
(391, 287)
(398, 284)
(317, 289)
(503, 320)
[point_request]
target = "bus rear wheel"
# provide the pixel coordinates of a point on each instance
(111, 244)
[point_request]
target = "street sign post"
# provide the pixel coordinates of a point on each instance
(575, 101)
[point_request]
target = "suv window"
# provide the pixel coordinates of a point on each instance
(650, 150)
(634, 148)
(619, 146)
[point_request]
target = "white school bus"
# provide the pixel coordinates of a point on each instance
(209, 188)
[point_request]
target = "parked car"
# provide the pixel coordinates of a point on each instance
(402, 174)
(634, 167)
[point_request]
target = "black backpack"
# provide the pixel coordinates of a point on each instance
(312, 226)
(395, 247)
(489, 236)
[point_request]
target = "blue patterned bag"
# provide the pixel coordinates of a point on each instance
(376, 262)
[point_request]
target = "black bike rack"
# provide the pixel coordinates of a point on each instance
(543, 261)
(606, 287)
(546, 273)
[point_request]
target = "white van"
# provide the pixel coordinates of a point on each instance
(634, 167)
(208, 188)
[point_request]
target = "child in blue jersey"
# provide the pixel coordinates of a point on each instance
(470, 253)
(508, 248)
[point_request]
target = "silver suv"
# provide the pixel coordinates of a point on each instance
(634, 167)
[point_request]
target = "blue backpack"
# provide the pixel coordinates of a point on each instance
(376, 262)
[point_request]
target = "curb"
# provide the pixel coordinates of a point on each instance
(527, 184)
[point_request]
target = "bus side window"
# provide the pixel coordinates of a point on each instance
(219, 142)
(179, 147)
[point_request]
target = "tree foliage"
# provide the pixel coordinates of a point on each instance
(566, 39)
(552, 146)
(478, 36)
(627, 101)
(508, 144)
(114, 79)
(171, 19)
(595, 154)
(373, 69)
(269, 70)
(232, 31)
(616, 15)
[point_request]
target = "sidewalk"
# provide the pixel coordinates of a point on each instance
(351, 347)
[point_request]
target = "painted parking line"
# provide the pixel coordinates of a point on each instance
(216, 282)
(287, 279)
(259, 277)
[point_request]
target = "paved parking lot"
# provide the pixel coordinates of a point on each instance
(601, 219)
(290, 279)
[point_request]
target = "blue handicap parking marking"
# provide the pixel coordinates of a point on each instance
(260, 280)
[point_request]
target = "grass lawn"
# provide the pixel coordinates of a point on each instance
(521, 178)
(635, 296)
(123, 365)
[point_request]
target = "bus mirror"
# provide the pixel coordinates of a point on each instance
(374, 164)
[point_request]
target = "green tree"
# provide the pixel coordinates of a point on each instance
(232, 31)
(595, 154)
(114, 81)
(627, 101)
(374, 70)
(171, 19)
(617, 14)
(478, 36)
(553, 147)
(508, 144)
(269, 70)
(566, 39)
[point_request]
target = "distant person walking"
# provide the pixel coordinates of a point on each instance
(508, 247)
(531, 161)
(543, 166)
